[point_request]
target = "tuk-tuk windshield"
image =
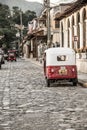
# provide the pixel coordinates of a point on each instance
(62, 58)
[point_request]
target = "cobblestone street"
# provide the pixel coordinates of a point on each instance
(27, 104)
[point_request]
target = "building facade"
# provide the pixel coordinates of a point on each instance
(68, 25)
(73, 31)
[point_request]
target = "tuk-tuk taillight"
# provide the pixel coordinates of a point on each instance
(52, 70)
(73, 69)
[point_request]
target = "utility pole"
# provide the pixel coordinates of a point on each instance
(21, 33)
(21, 24)
(47, 5)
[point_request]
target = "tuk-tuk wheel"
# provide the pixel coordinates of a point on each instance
(75, 82)
(48, 82)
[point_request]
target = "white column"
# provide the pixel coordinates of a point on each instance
(66, 38)
(27, 51)
(31, 45)
(75, 34)
(31, 55)
(81, 35)
(70, 31)
(86, 31)
(60, 36)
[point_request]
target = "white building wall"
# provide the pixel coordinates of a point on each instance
(86, 31)
(68, 35)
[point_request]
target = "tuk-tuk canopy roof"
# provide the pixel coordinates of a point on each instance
(60, 50)
(53, 54)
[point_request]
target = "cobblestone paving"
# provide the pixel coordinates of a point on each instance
(27, 104)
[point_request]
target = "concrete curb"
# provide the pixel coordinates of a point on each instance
(82, 83)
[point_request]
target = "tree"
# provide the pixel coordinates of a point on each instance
(8, 19)
(5, 26)
(26, 17)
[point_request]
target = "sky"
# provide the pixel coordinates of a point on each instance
(41, 1)
(51, 1)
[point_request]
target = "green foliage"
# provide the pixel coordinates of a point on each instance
(4, 24)
(8, 19)
(26, 17)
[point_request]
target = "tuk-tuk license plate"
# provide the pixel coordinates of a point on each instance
(63, 71)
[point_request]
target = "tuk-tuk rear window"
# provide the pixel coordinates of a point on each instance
(62, 58)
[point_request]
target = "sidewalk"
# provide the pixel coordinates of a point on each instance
(82, 77)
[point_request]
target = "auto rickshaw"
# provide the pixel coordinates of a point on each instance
(60, 65)
(11, 55)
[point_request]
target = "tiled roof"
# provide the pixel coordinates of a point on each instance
(75, 6)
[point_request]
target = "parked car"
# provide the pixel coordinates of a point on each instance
(2, 60)
(2, 56)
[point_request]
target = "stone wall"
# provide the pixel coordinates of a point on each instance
(81, 62)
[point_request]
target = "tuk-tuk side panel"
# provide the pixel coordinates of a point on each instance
(61, 72)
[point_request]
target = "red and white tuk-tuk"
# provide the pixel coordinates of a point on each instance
(11, 55)
(59, 65)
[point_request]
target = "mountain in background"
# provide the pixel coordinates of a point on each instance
(24, 5)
